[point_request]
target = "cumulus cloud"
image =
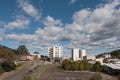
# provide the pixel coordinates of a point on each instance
(90, 29)
(18, 24)
(22, 38)
(29, 9)
(100, 23)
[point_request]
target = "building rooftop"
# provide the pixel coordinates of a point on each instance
(113, 66)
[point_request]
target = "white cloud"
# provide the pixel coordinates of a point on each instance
(94, 29)
(72, 1)
(18, 24)
(22, 38)
(49, 22)
(1, 34)
(29, 9)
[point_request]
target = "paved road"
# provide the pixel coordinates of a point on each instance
(19, 74)
(51, 73)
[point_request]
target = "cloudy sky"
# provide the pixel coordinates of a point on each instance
(93, 25)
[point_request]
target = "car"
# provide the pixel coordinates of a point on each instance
(30, 71)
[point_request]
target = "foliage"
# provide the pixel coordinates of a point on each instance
(66, 64)
(74, 65)
(118, 77)
(86, 65)
(7, 57)
(22, 50)
(96, 76)
(81, 66)
(96, 67)
(115, 53)
(1, 70)
(8, 65)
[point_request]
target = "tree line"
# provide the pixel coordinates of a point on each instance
(114, 54)
(80, 65)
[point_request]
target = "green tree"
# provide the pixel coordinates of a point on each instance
(66, 64)
(81, 66)
(22, 49)
(1, 70)
(74, 65)
(118, 76)
(87, 66)
(96, 67)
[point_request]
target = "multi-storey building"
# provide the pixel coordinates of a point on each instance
(55, 52)
(78, 54)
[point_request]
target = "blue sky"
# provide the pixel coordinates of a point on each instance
(93, 25)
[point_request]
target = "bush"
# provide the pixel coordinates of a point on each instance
(1, 70)
(96, 67)
(81, 66)
(86, 65)
(8, 65)
(66, 64)
(118, 77)
(96, 76)
(73, 65)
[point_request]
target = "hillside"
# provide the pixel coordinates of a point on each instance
(7, 53)
(115, 53)
(7, 57)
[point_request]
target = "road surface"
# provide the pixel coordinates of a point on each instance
(18, 75)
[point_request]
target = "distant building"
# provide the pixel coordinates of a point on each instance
(100, 60)
(36, 54)
(26, 57)
(78, 54)
(107, 55)
(55, 53)
(89, 58)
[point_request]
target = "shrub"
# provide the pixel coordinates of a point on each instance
(8, 65)
(66, 64)
(81, 66)
(1, 70)
(96, 67)
(118, 76)
(74, 65)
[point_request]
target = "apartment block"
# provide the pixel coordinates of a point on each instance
(78, 54)
(55, 53)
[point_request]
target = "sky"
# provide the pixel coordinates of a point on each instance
(93, 25)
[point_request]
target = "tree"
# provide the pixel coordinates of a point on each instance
(74, 65)
(22, 49)
(96, 67)
(81, 66)
(66, 64)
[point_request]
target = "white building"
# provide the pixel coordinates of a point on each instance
(78, 54)
(106, 55)
(100, 60)
(82, 53)
(37, 55)
(55, 52)
(89, 57)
